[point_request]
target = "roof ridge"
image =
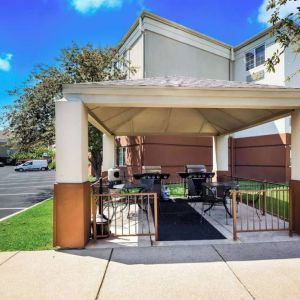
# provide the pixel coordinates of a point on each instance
(146, 13)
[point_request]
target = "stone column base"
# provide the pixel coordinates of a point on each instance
(72, 215)
(221, 175)
(295, 192)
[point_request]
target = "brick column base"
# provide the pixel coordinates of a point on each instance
(72, 215)
(295, 192)
(221, 175)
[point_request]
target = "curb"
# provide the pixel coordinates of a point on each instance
(23, 210)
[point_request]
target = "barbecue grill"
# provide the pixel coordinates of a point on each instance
(194, 176)
(151, 177)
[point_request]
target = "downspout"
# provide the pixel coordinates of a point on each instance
(141, 143)
(231, 62)
(142, 30)
(232, 146)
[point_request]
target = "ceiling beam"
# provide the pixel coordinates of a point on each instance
(92, 118)
(261, 121)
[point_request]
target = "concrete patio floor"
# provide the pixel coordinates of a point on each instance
(216, 217)
(232, 271)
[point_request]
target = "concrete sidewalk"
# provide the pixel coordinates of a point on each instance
(233, 271)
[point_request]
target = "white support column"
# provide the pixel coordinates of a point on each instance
(220, 154)
(295, 158)
(109, 152)
(72, 209)
(295, 172)
(71, 127)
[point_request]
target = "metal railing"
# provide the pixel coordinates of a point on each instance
(118, 214)
(261, 210)
(253, 184)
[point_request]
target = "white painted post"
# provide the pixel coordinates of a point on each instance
(294, 207)
(295, 147)
(71, 127)
(220, 153)
(109, 152)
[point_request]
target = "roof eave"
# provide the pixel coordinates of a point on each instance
(82, 88)
(172, 24)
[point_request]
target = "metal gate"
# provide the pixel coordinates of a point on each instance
(120, 214)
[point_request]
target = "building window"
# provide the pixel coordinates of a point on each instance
(260, 55)
(122, 156)
(255, 57)
(249, 61)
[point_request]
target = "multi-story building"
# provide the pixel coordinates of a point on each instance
(158, 47)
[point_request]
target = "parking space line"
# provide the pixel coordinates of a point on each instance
(24, 187)
(19, 194)
(11, 208)
(25, 181)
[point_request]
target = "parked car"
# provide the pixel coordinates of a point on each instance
(33, 165)
(1, 164)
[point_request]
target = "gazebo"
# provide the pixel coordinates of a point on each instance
(157, 106)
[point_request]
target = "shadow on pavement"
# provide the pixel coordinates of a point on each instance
(195, 254)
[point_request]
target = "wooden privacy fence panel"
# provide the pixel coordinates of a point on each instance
(117, 214)
(261, 210)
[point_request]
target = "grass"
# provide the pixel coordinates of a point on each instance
(276, 202)
(280, 207)
(176, 190)
(92, 179)
(29, 230)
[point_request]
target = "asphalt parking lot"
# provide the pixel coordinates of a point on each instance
(21, 190)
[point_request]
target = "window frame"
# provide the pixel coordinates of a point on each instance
(253, 52)
(124, 163)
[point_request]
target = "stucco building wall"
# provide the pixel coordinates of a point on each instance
(158, 47)
(167, 57)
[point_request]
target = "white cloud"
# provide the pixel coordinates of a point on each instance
(90, 6)
(264, 15)
(5, 62)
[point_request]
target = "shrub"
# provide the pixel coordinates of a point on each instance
(52, 165)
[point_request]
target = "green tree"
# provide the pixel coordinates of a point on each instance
(95, 149)
(286, 30)
(30, 119)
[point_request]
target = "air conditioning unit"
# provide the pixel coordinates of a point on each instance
(113, 174)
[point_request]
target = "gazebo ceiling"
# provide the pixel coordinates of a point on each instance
(180, 105)
(179, 121)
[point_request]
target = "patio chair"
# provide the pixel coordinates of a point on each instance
(260, 187)
(213, 197)
(194, 187)
(148, 187)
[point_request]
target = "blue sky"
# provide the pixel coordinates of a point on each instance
(34, 31)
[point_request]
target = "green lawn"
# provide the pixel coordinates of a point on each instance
(30, 230)
(276, 202)
(280, 207)
(176, 190)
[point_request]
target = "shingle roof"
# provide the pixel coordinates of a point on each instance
(185, 82)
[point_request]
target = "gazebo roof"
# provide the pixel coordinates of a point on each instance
(181, 105)
(181, 82)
